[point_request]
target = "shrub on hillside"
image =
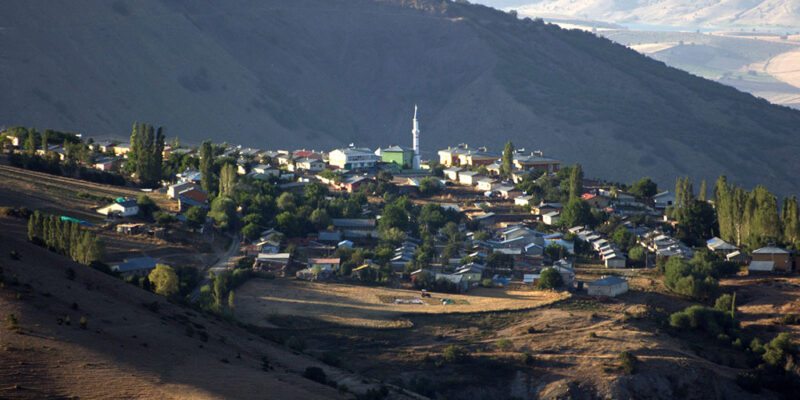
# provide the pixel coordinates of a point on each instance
(315, 374)
(627, 362)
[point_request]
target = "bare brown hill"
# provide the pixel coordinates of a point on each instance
(135, 345)
(323, 73)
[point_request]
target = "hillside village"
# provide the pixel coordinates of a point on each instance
(501, 232)
(474, 219)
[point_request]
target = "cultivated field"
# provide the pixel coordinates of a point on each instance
(365, 306)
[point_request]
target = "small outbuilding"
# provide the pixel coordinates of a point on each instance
(610, 286)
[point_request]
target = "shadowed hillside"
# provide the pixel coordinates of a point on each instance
(322, 73)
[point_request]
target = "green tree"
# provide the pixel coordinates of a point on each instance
(223, 212)
(146, 155)
(429, 186)
(287, 202)
(30, 142)
(146, 206)
(549, 279)
(207, 167)
(320, 218)
(251, 231)
(164, 279)
(703, 191)
(638, 255)
(227, 180)
(195, 216)
(508, 159)
(576, 212)
(576, 182)
(645, 187)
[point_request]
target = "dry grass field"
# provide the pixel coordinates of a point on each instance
(364, 306)
(762, 300)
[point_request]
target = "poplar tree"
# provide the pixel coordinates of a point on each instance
(227, 180)
(207, 166)
(508, 159)
(576, 181)
(702, 196)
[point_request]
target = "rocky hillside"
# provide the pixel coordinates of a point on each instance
(688, 13)
(322, 73)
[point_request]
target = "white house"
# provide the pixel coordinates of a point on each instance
(467, 177)
(609, 286)
(522, 200)
(664, 200)
(615, 260)
(174, 190)
(352, 158)
(309, 164)
(122, 209)
(265, 170)
(452, 173)
(486, 184)
(551, 218)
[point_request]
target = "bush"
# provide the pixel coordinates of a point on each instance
(627, 362)
(549, 279)
(504, 344)
(454, 354)
(83, 323)
(315, 374)
(12, 321)
(527, 358)
(294, 343)
(777, 349)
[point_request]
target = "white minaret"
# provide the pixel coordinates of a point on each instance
(415, 134)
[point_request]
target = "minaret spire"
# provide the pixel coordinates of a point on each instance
(415, 138)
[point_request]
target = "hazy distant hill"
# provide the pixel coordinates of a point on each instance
(688, 13)
(321, 73)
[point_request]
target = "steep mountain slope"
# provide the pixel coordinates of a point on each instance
(689, 13)
(321, 73)
(135, 344)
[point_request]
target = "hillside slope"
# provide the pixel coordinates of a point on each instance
(688, 13)
(130, 348)
(323, 73)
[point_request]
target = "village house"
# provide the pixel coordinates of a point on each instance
(403, 157)
(771, 259)
(105, 164)
(312, 154)
(595, 201)
(544, 208)
(351, 184)
(507, 192)
(355, 227)
(494, 168)
(720, 246)
(449, 157)
(468, 178)
(536, 161)
(611, 286)
(551, 218)
(480, 157)
(275, 263)
(103, 146)
(352, 158)
(486, 184)
(308, 164)
(523, 200)
(192, 197)
(452, 173)
(265, 170)
(139, 266)
(122, 149)
(327, 264)
(663, 200)
(127, 208)
(174, 190)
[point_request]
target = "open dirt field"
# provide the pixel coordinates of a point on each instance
(762, 300)
(786, 67)
(367, 306)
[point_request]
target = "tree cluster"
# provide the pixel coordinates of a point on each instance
(752, 218)
(65, 237)
(146, 155)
